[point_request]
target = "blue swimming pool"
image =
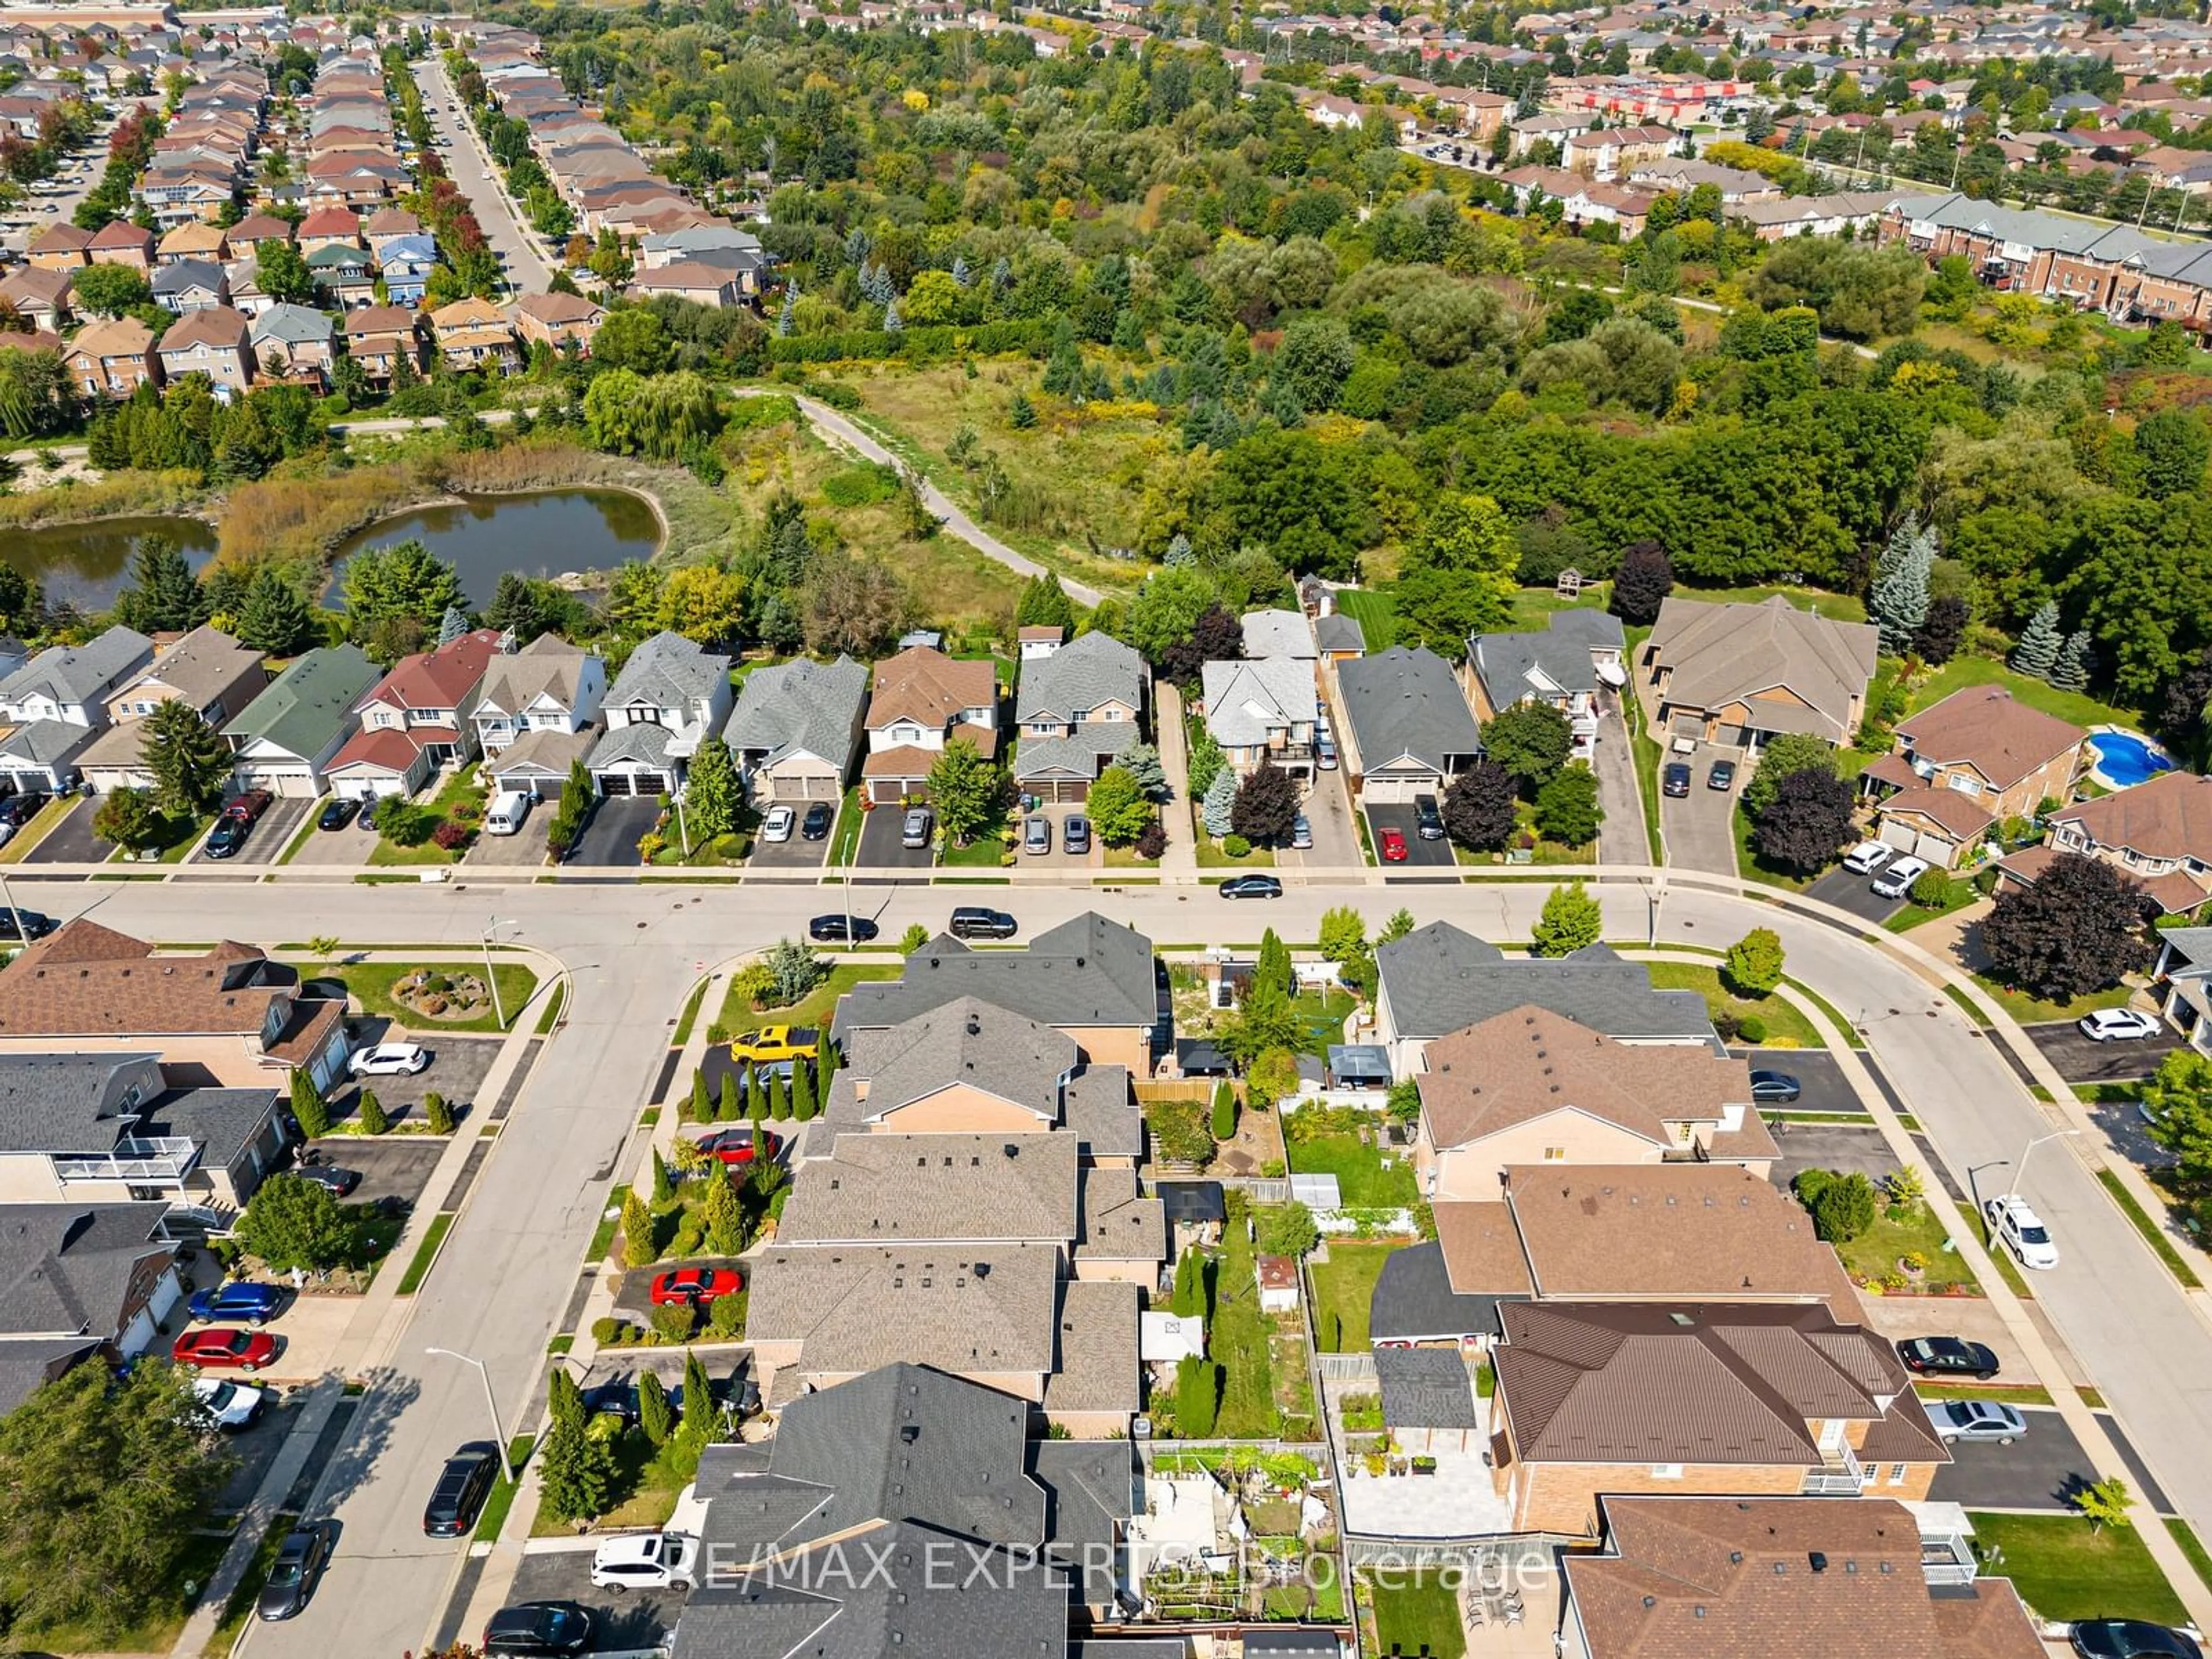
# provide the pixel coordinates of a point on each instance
(2126, 758)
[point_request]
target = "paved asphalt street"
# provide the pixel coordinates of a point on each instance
(633, 952)
(468, 167)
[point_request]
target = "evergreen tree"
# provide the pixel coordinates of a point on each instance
(276, 618)
(1898, 597)
(640, 1248)
(189, 759)
(1179, 552)
(370, 1113)
(576, 1471)
(779, 1102)
(452, 625)
(960, 271)
(308, 1109)
(1021, 414)
(2071, 672)
(1220, 801)
(654, 1417)
(1185, 1299)
(1225, 1111)
(2037, 654)
(664, 1189)
(722, 1211)
(699, 1412)
(893, 323)
(802, 1091)
(697, 1109)
(712, 792)
(731, 1109)
(1044, 603)
(784, 322)
(1002, 274)
(436, 1113)
(164, 595)
(755, 1095)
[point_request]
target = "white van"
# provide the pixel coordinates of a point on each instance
(505, 815)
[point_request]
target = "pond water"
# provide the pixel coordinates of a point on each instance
(86, 565)
(485, 536)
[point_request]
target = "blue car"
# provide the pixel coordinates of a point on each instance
(238, 1300)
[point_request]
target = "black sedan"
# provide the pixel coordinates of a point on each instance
(37, 925)
(2127, 1638)
(300, 1561)
(229, 835)
(1775, 1086)
(537, 1627)
(330, 1177)
(19, 810)
(841, 929)
(1254, 887)
(463, 1486)
(816, 824)
(1675, 780)
(339, 814)
(1947, 1356)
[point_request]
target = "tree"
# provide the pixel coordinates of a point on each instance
(1567, 810)
(1189, 1299)
(1218, 806)
(369, 1114)
(281, 270)
(109, 290)
(722, 1212)
(1044, 603)
(2037, 654)
(852, 605)
(576, 1469)
(2078, 929)
(129, 818)
(703, 604)
(1898, 597)
(968, 792)
(1288, 1230)
(1943, 631)
(802, 1091)
(1459, 576)
(164, 595)
(640, 1248)
(1399, 925)
(1793, 751)
(712, 793)
(699, 1408)
(1266, 803)
(1271, 1078)
(189, 759)
(654, 1417)
(275, 618)
(2178, 1107)
(108, 1480)
(1644, 579)
(796, 968)
(2104, 1503)
(405, 582)
(1807, 823)
(1198, 1396)
(308, 1109)
(1141, 761)
(633, 338)
(1531, 741)
(2071, 672)
(1343, 933)
(1844, 1208)
(1224, 1126)
(1754, 962)
(292, 1223)
(1571, 920)
(1119, 807)
(437, 1113)
(664, 1189)
(1478, 807)
(2172, 447)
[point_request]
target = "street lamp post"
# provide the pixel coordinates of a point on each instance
(498, 1437)
(491, 974)
(2020, 1166)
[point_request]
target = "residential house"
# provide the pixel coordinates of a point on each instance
(1744, 1399)
(190, 285)
(536, 713)
(329, 227)
(119, 242)
(1613, 152)
(216, 342)
(344, 275)
(1278, 634)
(56, 704)
(1568, 664)
(83, 1280)
(2181, 979)
(796, 728)
(1092, 979)
(113, 359)
(379, 338)
(2158, 833)
(671, 696)
(1262, 711)
(1961, 766)
(1339, 638)
(201, 243)
(388, 225)
(690, 279)
(405, 266)
(206, 669)
(292, 343)
(1076, 708)
(1726, 1575)
(229, 1012)
(286, 737)
(39, 296)
(59, 247)
(1408, 731)
(1739, 675)
(254, 231)
(411, 722)
(558, 320)
(923, 700)
(473, 333)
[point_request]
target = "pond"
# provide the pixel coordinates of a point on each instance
(482, 536)
(86, 565)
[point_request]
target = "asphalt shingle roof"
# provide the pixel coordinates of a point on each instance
(800, 708)
(1413, 1300)
(1087, 971)
(78, 673)
(1406, 703)
(1426, 1388)
(1510, 666)
(309, 703)
(61, 1103)
(887, 1188)
(65, 1269)
(669, 671)
(1092, 669)
(1441, 978)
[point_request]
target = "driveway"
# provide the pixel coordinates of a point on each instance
(351, 845)
(1819, 1079)
(1699, 827)
(457, 1070)
(878, 848)
(1406, 823)
(1335, 839)
(633, 1301)
(395, 1166)
(798, 852)
(2042, 1470)
(272, 833)
(628, 1621)
(71, 840)
(1848, 1148)
(1847, 890)
(610, 836)
(1057, 815)
(1620, 838)
(524, 850)
(2081, 1061)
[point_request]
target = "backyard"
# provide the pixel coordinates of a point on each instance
(1343, 1287)
(1415, 1614)
(1367, 1177)
(2064, 1570)
(1960, 672)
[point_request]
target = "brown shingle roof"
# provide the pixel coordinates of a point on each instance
(929, 688)
(1962, 816)
(2168, 818)
(216, 325)
(1481, 1250)
(88, 980)
(1983, 726)
(1721, 652)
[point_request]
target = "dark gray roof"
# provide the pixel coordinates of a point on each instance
(1090, 670)
(1191, 1201)
(1360, 1062)
(964, 1041)
(1414, 1301)
(1101, 1114)
(1339, 632)
(62, 1102)
(800, 707)
(46, 742)
(642, 741)
(1089, 1492)
(1426, 1388)
(65, 1269)
(1087, 971)
(77, 673)
(1510, 665)
(222, 1120)
(188, 274)
(1441, 978)
(1404, 702)
(28, 1363)
(669, 671)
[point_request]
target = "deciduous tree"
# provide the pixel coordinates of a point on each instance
(2178, 1104)
(1118, 807)
(1807, 822)
(1459, 576)
(712, 793)
(1754, 962)
(968, 792)
(1571, 920)
(1567, 810)
(1645, 577)
(1478, 807)
(2078, 929)
(293, 1223)
(1266, 803)
(1792, 751)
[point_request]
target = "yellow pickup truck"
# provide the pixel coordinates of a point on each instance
(774, 1042)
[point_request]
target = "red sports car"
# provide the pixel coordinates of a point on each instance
(693, 1286)
(246, 1350)
(736, 1146)
(1394, 847)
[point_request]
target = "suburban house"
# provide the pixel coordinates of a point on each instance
(2182, 980)
(558, 320)
(378, 337)
(474, 333)
(1728, 1575)
(2158, 833)
(57, 701)
(216, 342)
(411, 722)
(1441, 979)
(1408, 729)
(119, 242)
(1530, 1086)
(1078, 706)
(229, 1012)
(1701, 1399)
(113, 359)
(285, 738)
(190, 285)
(1741, 674)
(197, 240)
(694, 280)
(59, 247)
(671, 696)
(1278, 634)
(84, 1279)
(255, 232)
(536, 713)
(39, 296)
(108, 1127)
(1569, 664)
(924, 700)
(206, 669)
(1262, 709)
(1093, 980)
(796, 728)
(290, 342)
(1964, 765)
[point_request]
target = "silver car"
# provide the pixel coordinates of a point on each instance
(1037, 836)
(1977, 1420)
(1301, 834)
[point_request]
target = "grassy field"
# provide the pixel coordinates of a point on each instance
(1837, 607)
(501, 1499)
(1783, 1021)
(815, 1008)
(1361, 1178)
(1343, 1286)
(1417, 1613)
(372, 981)
(2064, 1570)
(1962, 671)
(1376, 612)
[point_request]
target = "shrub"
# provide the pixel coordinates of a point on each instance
(1751, 1029)
(604, 1331)
(674, 1321)
(1225, 1111)
(1179, 1131)
(1933, 890)
(437, 1113)
(1235, 846)
(451, 835)
(370, 1113)
(1845, 1209)
(1151, 840)
(437, 984)
(726, 1316)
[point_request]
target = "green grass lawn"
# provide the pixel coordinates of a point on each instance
(1211, 857)
(2028, 1009)
(458, 798)
(1956, 896)
(237, 1606)
(426, 1252)
(2152, 1234)
(1240, 1343)
(501, 1499)
(1361, 1178)
(1417, 1613)
(1784, 1023)
(1876, 1253)
(986, 852)
(2192, 1547)
(1837, 607)
(1323, 1014)
(1962, 671)
(2064, 1570)
(813, 1009)
(1343, 1286)
(847, 835)
(1376, 612)
(181, 849)
(371, 983)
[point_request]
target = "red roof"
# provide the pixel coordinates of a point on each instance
(331, 221)
(439, 679)
(389, 749)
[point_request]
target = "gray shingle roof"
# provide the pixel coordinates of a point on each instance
(1245, 699)
(1087, 971)
(45, 743)
(1509, 664)
(854, 1309)
(969, 1042)
(186, 275)
(1403, 703)
(1090, 1492)
(1426, 1388)
(548, 666)
(1082, 754)
(290, 325)
(65, 1269)
(641, 742)
(1101, 1114)
(27, 1363)
(1339, 632)
(63, 1102)
(222, 1120)
(669, 671)
(1088, 671)
(1094, 1365)
(1413, 1300)
(882, 1188)
(78, 673)
(1440, 978)
(800, 707)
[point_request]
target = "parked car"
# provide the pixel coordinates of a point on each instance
(389, 1060)
(1675, 779)
(1947, 1356)
(779, 823)
(300, 1562)
(338, 1182)
(615, 1398)
(1976, 1419)
(463, 1486)
(840, 929)
(2132, 1638)
(224, 1348)
(1325, 751)
(655, 1561)
(693, 1287)
(1896, 880)
(234, 1405)
(736, 1146)
(1255, 887)
(1393, 846)
(1075, 835)
(974, 921)
(2015, 1223)
(914, 832)
(1868, 857)
(249, 804)
(774, 1042)
(339, 814)
(2116, 1025)
(228, 836)
(1777, 1086)
(19, 810)
(1721, 775)
(369, 809)
(534, 1628)
(1037, 836)
(242, 1298)
(815, 826)
(37, 925)
(1427, 821)
(1301, 834)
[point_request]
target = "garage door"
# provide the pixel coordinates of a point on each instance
(1391, 791)
(615, 783)
(1897, 833)
(823, 787)
(1935, 849)
(1735, 736)
(886, 792)
(279, 780)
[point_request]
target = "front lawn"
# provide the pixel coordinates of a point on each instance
(1873, 1255)
(1212, 857)
(988, 851)
(1417, 1613)
(2029, 1009)
(457, 801)
(847, 835)
(1956, 895)
(1785, 1026)
(1362, 1179)
(370, 983)
(42, 823)
(1960, 672)
(1343, 1287)
(2064, 1570)
(814, 1008)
